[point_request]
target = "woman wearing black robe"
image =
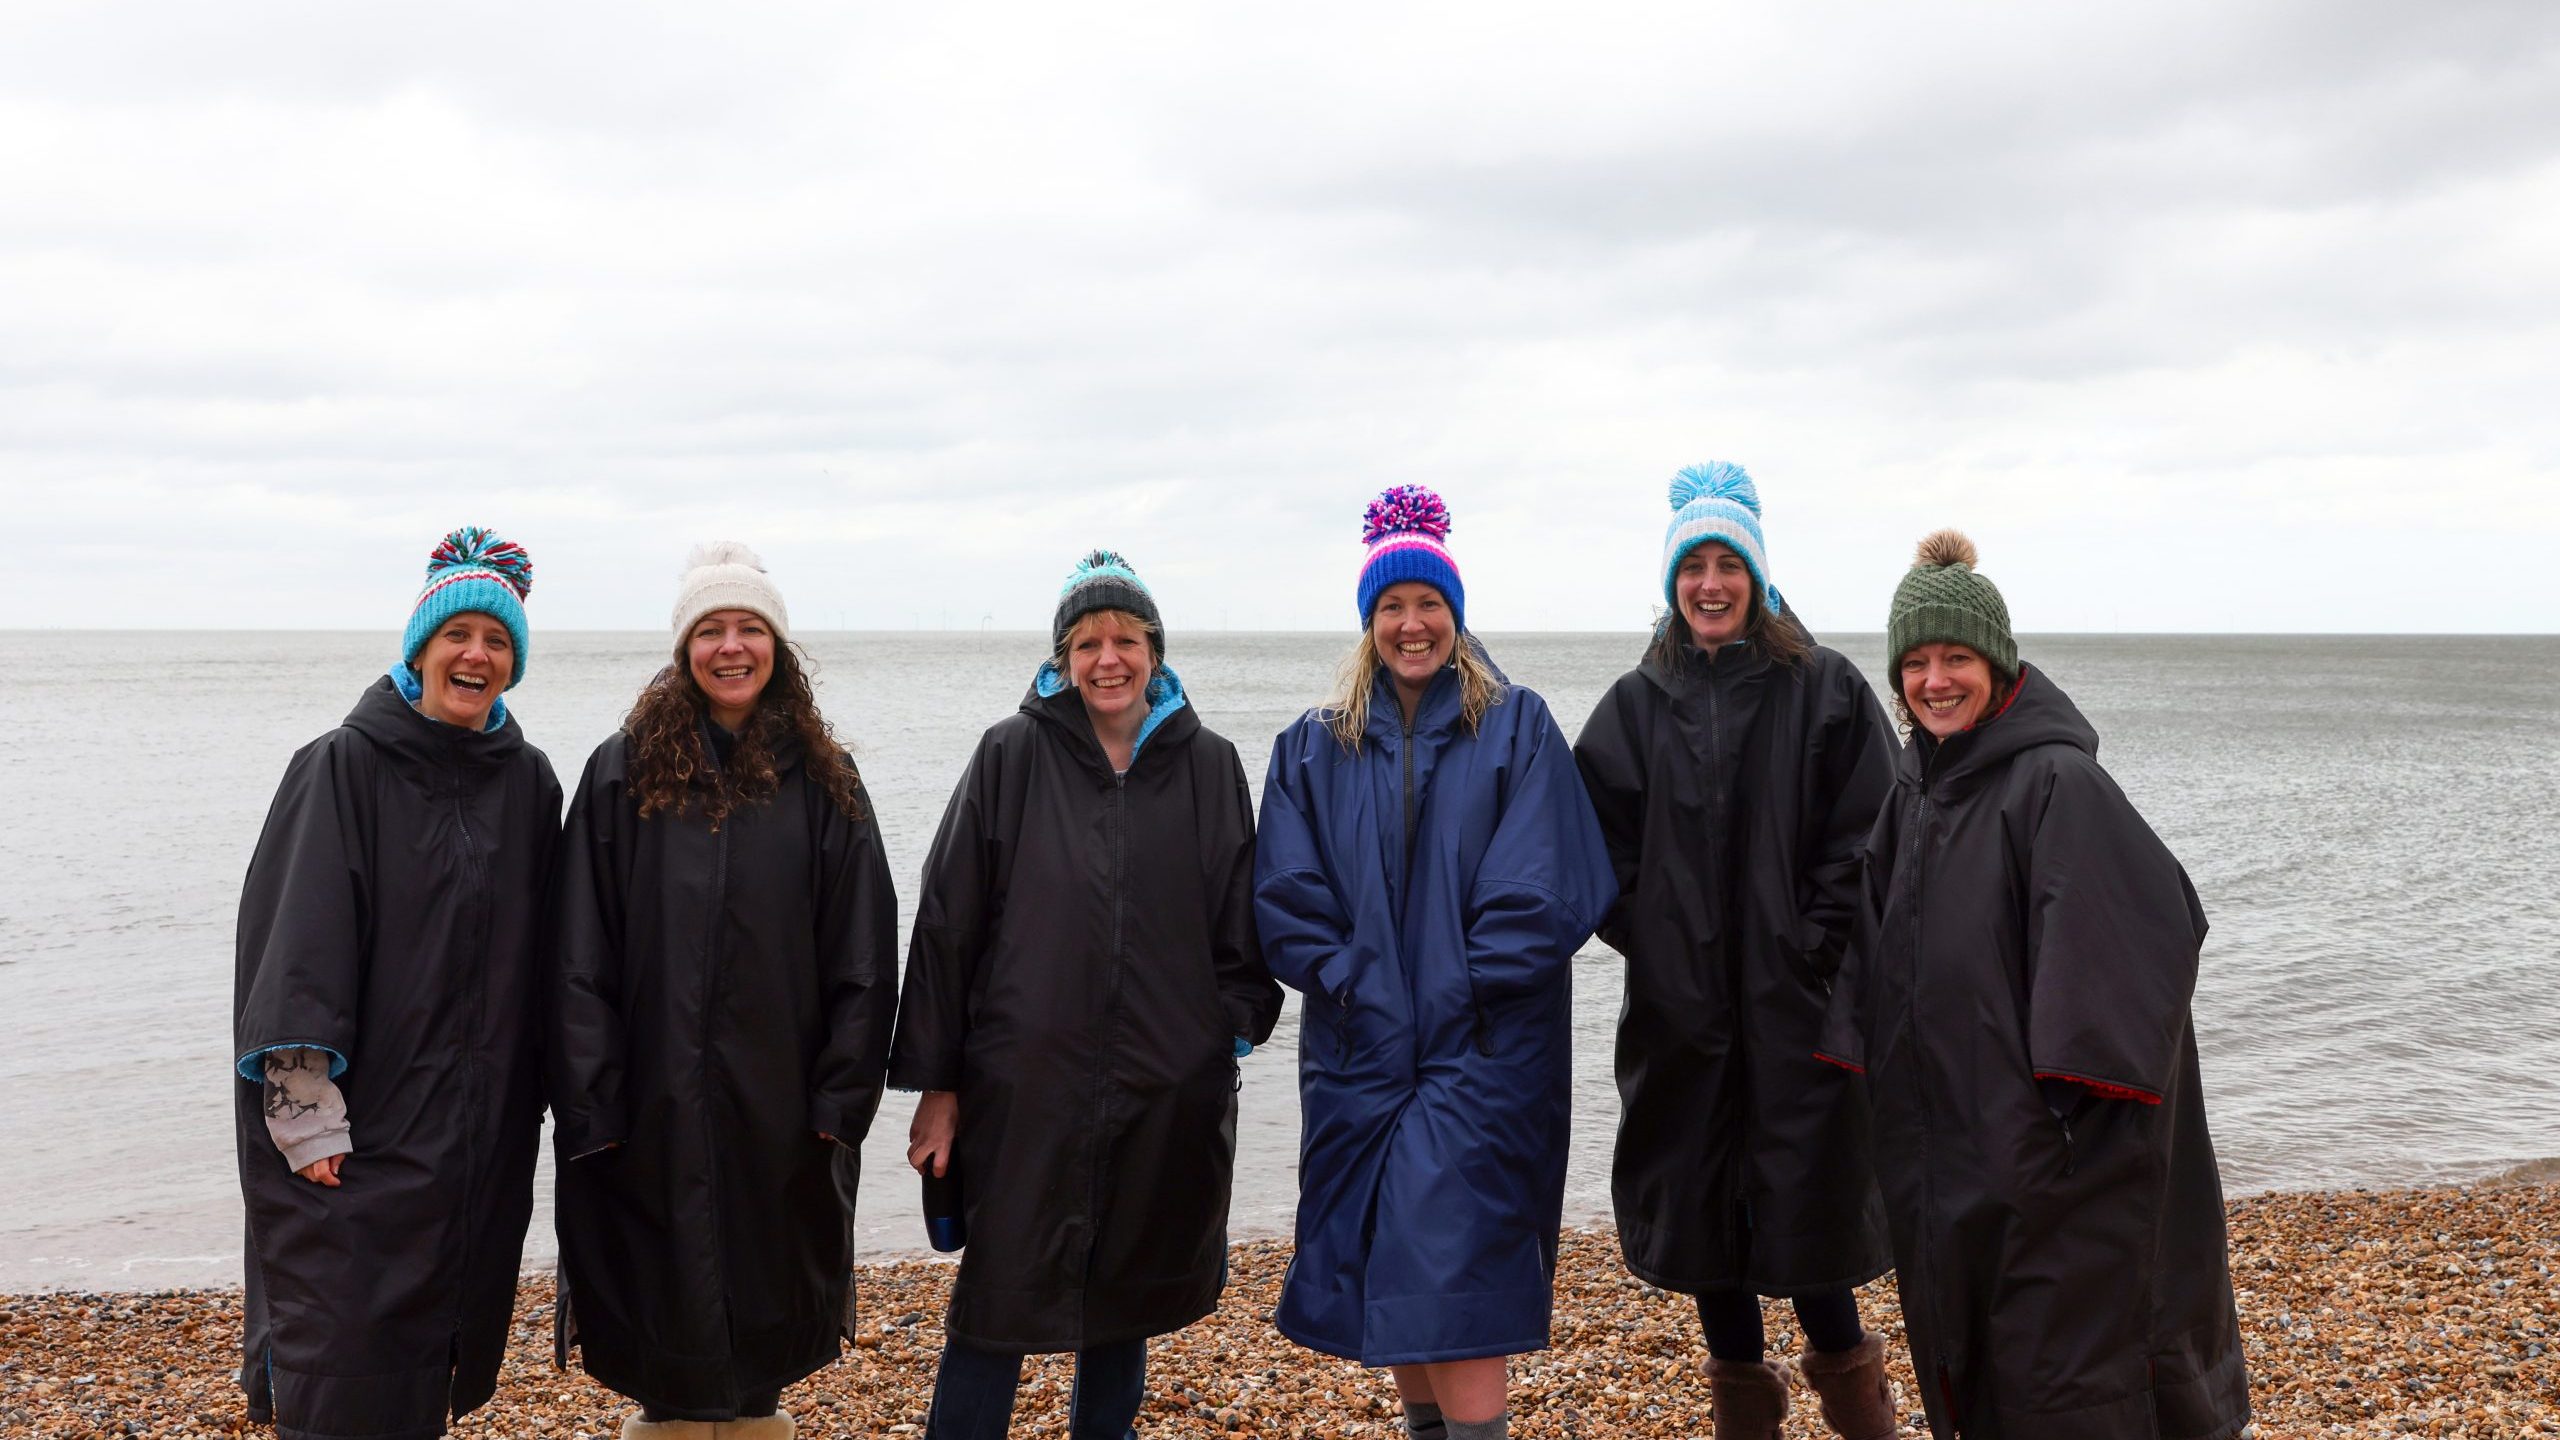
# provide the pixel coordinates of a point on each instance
(1083, 978)
(2020, 1006)
(720, 1022)
(383, 1015)
(1736, 773)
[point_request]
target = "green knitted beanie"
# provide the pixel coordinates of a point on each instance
(1942, 601)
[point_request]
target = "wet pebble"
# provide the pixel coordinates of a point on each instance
(2364, 1314)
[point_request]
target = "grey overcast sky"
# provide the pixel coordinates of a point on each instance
(2198, 316)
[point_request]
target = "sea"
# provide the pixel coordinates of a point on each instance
(2373, 822)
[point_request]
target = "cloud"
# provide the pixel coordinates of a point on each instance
(924, 303)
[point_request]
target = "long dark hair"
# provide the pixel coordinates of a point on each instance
(672, 769)
(1777, 636)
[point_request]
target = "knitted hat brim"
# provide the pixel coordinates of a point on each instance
(474, 592)
(730, 587)
(1951, 625)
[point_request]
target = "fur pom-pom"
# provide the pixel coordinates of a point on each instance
(1718, 480)
(1103, 560)
(477, 547)
(722, 552)
(1405, 510)
(1945, 547)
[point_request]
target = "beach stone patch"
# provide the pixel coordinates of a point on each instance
(2381, 1314)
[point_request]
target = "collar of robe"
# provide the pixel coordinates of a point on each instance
(2038, 713)
(384, 715)
(1054, 700)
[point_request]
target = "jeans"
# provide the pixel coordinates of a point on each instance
(973, 1392)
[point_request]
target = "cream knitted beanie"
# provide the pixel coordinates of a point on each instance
(725, 575)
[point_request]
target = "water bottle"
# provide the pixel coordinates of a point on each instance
(946, 1227)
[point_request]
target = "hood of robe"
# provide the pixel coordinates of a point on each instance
(1054, 700)
(385, 715)
(2038, 713)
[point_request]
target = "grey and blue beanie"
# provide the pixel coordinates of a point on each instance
(473, 570)
(1716, 501)
(1104, 581)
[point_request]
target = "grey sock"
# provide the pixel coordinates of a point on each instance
(1422, 1421)
(1497, 1428)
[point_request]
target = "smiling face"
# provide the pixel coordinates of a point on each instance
(463, 667)
(1415, 632)
(731, 655)
(1713, 589)
(1946, 687)
(1109, 661)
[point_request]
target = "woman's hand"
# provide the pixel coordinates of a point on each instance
(929, 1134)
(322, 1172)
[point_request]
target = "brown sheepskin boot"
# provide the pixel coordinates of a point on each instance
(776, 1426)
(1855, 1401)
(1750, 1400)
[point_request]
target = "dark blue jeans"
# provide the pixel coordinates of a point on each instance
(973, 1392)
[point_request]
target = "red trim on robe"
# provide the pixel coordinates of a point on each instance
(2103, 1090)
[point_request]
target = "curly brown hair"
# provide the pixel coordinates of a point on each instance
(671, 766)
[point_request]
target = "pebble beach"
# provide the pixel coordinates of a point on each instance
(2368, 1313)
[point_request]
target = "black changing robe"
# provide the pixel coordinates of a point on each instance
(392, 917)
(2064, 1277)
(1736, 795)
(722, 999)
(1084, 960)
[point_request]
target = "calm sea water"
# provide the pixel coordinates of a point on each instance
(2370, 822)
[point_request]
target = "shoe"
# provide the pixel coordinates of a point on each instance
(1750, 1400)
(776, 1426)
(1856, 1403)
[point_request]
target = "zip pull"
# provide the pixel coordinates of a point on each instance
(2070, 1159)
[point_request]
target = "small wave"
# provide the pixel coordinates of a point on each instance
(2531, 1172)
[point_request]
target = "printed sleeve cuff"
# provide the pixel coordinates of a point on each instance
(319, 1147)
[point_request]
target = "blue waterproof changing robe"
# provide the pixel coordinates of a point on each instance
(1427, 895)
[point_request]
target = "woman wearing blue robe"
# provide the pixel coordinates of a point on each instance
(1427, 863)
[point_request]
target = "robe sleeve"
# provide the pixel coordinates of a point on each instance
(955, 911)
(1246, 991)
(588, 1049)
(2113, 933)
(1610, 756)
(1844, 1027)
(1852, 777)
(858, 970)
(1304, 929)
(1544, 880)
(303, 918)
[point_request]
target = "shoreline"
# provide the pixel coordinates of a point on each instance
(2364, 1313)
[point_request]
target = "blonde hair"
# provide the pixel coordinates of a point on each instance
(1091, 620)
(1346, 714)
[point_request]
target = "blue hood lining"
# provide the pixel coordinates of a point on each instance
(1164, 696)
(412, 686)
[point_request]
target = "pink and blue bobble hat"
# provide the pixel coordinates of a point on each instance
(1407, 532)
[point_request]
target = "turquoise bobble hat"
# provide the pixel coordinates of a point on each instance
(472, 569)
(1407, 532)
(1716, 501)
(1104, 581)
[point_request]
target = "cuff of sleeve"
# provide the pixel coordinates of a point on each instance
(2104, 1090)
(252, 1066)
(319, 1147)
(583, 1135)
(918, 1076)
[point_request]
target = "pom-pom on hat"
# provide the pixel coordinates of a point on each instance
(1943, 600)
(725, 575)
(1717, 501)
(473, 570)
(1407, 532)
(1104, 581)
